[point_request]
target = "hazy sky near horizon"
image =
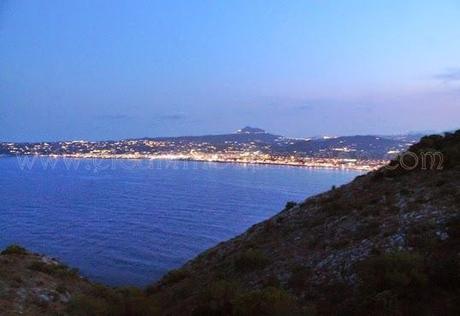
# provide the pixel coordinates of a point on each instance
(122, 69)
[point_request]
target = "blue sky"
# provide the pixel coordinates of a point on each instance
(120, 69)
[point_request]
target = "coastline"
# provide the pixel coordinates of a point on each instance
(308, 162)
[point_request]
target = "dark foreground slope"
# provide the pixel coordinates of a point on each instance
(32, 284)
(387, 243)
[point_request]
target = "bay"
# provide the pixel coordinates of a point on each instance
(127, 222)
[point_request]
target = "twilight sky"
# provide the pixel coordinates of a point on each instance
(121, 69)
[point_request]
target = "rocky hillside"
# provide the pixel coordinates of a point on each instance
(33, 284)
(388, 243)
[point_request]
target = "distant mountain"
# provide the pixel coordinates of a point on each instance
(245, 135)
(370, 147)
(250, 130)
(244, 141)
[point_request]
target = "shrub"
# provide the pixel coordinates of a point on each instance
(405, 191)
(89, 306)
(391, 280)
(269, 301)
(397, 271)
(271, 281)
(422, 237)
(217, 298)
(445, 273)
(175, 276)
(333, 208)
(58, 270)
(102, 300)
(367, 230)
(453, 228)
(61, 288)
(340, 243)
(440, 182)
(290, 205)
(14, 250)
(131, 301)
(299, 278)
(251, 259)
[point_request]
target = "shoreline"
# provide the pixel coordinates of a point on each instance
(328, 163)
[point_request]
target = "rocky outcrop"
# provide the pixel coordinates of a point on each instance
(33, 284)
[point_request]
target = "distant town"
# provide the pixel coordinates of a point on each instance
(248, 145)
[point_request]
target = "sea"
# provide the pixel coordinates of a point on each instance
(127, 222)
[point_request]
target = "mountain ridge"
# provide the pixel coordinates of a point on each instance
(250, 140)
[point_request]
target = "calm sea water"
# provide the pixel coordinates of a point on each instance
(129, 221)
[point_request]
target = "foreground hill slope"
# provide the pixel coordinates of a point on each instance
(388, 243)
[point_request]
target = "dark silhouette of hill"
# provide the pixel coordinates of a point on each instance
(248, 139)
(367, 146)
(245, 135)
